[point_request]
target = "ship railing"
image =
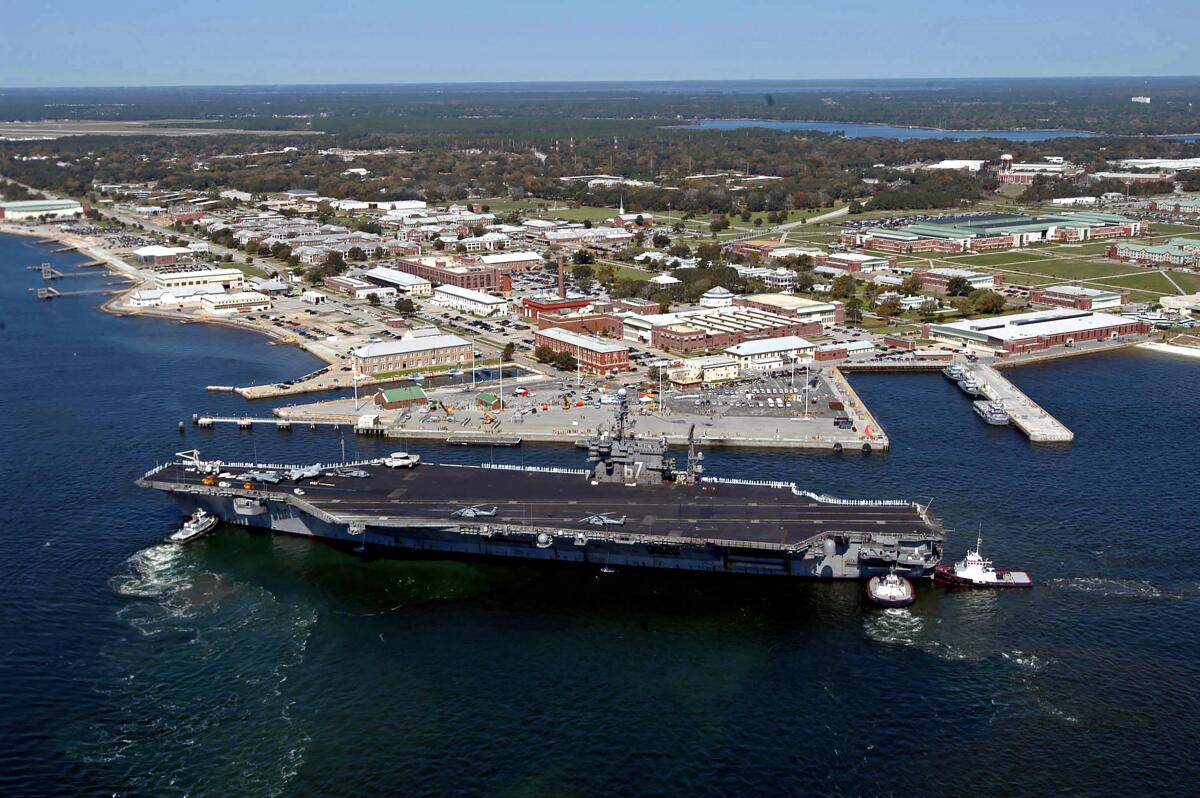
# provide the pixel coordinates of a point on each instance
(823, 498)
(227, 464)
(536, 469)
(765, 483)
(826, 499)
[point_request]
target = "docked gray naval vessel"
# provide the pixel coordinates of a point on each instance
(632, 508)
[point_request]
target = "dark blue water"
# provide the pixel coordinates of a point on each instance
(256, 665)
(859, 130)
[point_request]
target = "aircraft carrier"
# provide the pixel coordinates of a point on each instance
(632, 508)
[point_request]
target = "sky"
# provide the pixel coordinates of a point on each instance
(218, 42)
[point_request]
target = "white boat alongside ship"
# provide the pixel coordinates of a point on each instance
(976, 571)
(195, 526)
(890, 590)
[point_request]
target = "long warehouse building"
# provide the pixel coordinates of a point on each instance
(1030, 332)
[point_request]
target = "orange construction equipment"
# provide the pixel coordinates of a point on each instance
(488, 417)
(208, 480)
(447, 409)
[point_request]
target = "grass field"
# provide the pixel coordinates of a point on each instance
(627, 272)
(1073, 269)
(1157, 230)
(1154, 282)
(1188, 282)
(1094, 248)
(247, 269)
(1013, 278)
(998, 258)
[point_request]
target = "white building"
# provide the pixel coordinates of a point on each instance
(968, 165)
(805, 309)
(476, 303)
(664, 280)
(236, 302)
(32, 209)
(718, 297)
(705, 370)
(519, 260)
(401, 281)
(426, 351)
(314, 298)
(228, 279)
(172, 297)
(772, 353)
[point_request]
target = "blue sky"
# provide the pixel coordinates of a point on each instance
(166, 42)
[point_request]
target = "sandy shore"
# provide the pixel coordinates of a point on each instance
(1171, 349)
(117, 305)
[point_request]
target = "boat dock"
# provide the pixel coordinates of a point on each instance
(482, 439)
(1023, 412)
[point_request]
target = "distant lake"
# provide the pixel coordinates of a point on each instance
(859, 130)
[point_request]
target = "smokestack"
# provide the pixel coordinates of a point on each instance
(562, 286)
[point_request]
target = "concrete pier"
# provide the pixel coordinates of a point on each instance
(1023, 412)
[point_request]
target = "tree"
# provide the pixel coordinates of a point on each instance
(405, 306)
(912, 285)
(509, 350)
(984, 300)
(680, 249)
(843, 287)
(854, 310)
(587, 224)
(888, 307)
(856, 207)
(958, 286)
(803, 281)
(928, 310)
(582, 272)
(582, 256)
(544, 354)
(660, 240)
(373, 300)
(565, 361)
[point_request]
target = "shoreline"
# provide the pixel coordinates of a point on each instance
(1171, 349)
(118, 267)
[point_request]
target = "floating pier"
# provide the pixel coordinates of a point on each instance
(1024, 413)
(482, 439)
(282, 424)
(53, 293)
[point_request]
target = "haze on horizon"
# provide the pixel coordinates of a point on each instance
(140, 43)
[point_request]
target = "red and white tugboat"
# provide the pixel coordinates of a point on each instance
(974, 571)
(890, 590)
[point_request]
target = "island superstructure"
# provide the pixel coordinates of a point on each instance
(633, 508)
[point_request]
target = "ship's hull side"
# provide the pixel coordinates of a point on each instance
(844, 560)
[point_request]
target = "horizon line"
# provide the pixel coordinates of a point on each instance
(598, 81)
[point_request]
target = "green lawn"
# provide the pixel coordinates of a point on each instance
(247, 269)
(1073, 269)
(1012, 278)
(998, 258)
(1157, 230)
(1154, 282)
(628, 272)
(1094, 248)
(1188, 282)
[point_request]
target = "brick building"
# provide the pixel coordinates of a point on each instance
(447, 270)
(595, 355)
